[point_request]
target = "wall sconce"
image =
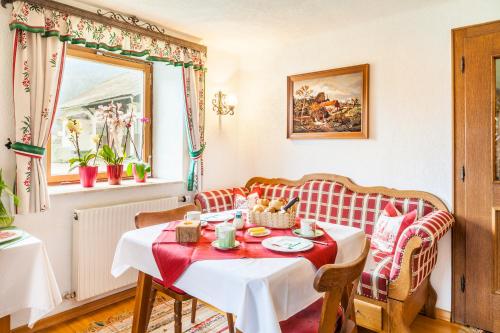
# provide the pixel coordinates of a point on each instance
(224, 104)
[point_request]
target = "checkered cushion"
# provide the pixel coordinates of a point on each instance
(275, 191)
(374, 280)
(217, 200)
(430, 228)
(333, 202)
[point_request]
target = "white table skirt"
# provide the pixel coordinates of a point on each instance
(27, 280)
(260, 292)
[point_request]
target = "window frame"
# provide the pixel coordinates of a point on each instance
(116, 60)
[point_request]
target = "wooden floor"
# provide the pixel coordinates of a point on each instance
(421, 325)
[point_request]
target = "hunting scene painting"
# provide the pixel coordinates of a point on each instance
(329, 104)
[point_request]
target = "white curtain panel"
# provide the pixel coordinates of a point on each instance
(194, 91)
(37, 72)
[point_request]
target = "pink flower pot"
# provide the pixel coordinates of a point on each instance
(115, 173)
(88, 175)
(136, 176)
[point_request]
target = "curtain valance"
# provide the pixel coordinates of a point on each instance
(78, 30)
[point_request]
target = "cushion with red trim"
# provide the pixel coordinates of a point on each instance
(389, 227)
(307, 320)
(244, 200)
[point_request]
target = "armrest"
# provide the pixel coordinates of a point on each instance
(215, 201)
(416, 253)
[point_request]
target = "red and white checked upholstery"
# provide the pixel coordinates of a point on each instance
(430, 229)
(330, 201)
(374, 281)
(217, 200)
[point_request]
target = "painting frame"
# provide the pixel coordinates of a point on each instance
(364, 69)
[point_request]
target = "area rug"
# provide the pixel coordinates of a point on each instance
(162, 320)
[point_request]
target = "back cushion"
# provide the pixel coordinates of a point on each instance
(329, 201)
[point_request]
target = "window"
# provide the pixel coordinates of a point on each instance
(93, 81)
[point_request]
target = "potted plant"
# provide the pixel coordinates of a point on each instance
(114, 164)
(137, 166)
(139, 169)
(6, 199)
(88, 173)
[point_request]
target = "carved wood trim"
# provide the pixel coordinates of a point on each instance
(347, 182)
(113, 22)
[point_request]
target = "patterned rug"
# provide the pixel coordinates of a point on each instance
(162, 320)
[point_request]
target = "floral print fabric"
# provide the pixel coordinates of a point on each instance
(78, 30)
(37, 71)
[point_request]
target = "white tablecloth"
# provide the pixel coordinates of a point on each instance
(260, 292)
(27, 280)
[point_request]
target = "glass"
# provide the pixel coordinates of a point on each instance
(497, 119)
(94, 93)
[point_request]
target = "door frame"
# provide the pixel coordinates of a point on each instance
(458, 301)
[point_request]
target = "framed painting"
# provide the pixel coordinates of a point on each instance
(329, 104)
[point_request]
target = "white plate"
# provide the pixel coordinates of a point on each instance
(266, 233)
(15, 235)
(215, 244)
(317, 234)
(216, 217)
(287, 244)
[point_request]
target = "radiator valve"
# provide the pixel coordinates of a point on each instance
(69, 295)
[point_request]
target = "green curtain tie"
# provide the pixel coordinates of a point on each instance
(28, 150)
(194, 155)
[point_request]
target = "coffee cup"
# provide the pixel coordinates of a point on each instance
(308, 227)
(226, 235)
(193, 215)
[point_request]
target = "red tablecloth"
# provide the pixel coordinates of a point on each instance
(173, 258)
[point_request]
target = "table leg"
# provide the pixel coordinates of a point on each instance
(177, 316)
(142, 300)
(230, 322)
(5, 324)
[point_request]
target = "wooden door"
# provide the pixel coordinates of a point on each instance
(476, 245)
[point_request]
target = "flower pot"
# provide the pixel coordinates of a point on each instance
(88, 175)
(137, 177)
(114, 173)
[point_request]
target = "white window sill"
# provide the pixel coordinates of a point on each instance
(104, 186)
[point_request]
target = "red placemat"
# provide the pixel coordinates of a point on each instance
(174, 258)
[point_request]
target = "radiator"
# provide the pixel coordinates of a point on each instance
(96, 232)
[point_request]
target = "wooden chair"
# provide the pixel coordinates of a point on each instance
(146, 219)
(339, 283)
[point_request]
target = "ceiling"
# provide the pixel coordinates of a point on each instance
(241, 24)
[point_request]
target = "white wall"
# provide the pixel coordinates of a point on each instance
(410, 145)
(221, 132)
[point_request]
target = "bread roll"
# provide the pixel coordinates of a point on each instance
(258, 208)
(263, 202)
(276, 204)
(270, 209)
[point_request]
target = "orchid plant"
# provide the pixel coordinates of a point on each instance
(117, 121)
(141, 167)
(74, 130)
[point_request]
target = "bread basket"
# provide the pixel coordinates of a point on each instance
(272, 220)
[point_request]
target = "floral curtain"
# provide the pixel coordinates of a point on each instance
(194, 92)
(37, 71)
(85, 32)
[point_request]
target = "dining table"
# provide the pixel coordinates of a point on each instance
(28, 284)
(260, 292)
